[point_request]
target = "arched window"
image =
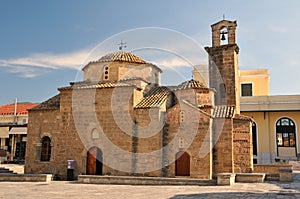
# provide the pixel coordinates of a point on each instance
(286, 137)
(224, 36)
(285, 131)
(46, 149)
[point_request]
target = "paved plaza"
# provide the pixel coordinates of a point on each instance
(63, 189)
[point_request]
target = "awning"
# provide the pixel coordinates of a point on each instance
(4, 132)
(18, 130)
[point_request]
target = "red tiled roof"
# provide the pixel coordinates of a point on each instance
(8, 109)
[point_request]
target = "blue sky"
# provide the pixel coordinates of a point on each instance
(45, 43)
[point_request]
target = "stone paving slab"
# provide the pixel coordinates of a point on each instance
(63, 189)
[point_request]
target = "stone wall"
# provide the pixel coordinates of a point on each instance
(269, 168)
(223, 70)
(105, 121)
(148, 142)
(44, 123)
(242, 146)
(115, 71)
(85, 119)
(223, 145)
(190, 133)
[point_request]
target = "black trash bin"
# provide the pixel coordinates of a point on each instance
(70, 171)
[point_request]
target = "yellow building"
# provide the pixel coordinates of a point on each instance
(276, 127)
(254, 82)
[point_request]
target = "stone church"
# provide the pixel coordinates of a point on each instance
(120, 121)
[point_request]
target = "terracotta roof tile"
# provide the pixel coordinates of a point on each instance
(191, 84)
(154, 98)
(242, 117)
(122, 56)
(223, 112)
(50, 104)
(22, 108)
(93, 85)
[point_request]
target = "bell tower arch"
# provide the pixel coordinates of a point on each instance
(223, 28)
(223, 64)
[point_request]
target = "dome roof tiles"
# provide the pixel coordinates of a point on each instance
(191, 84)
(122, 56)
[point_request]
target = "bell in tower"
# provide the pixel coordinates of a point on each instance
(223, 64)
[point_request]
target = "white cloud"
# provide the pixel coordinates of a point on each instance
(38, 63)
(26, 72)
(173, 63)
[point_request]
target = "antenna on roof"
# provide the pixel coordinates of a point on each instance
(223, 16)
(122, 45)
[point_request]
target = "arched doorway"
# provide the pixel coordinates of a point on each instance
(182, 164)
(94, 161)
(286, 137)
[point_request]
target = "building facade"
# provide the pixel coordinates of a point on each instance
(276, 118)
(13, 131)
(120, 121)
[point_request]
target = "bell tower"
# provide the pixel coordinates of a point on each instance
(223, 64)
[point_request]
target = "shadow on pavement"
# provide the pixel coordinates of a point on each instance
(233, 195)
(287, 190)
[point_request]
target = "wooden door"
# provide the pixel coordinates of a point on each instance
(91, 161)
(182, 164)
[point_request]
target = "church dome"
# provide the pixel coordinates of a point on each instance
(122, 56)
(191, 84)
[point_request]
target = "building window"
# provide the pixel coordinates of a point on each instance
(247, 89)
(46, 149)
(106, 72)
(285, 133)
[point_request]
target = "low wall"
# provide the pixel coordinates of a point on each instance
(129, 180)
(26, 177)
(250, 177)
(225, 179)
(269, 168)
